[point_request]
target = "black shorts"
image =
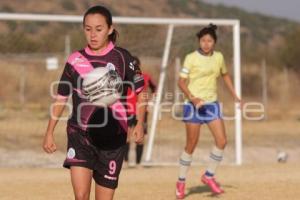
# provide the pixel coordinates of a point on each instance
(106, 164)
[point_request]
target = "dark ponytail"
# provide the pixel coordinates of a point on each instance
(108, 18)
(210, 30)
(113, 36)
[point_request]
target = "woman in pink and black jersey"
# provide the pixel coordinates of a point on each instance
(96, 135)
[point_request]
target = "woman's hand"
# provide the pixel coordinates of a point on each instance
(48, 144)
(240, 102)
(198, 103)
(129, 133)
(57, 109)
(138, 133)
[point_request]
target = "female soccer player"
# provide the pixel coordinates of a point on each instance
(131, 101)
(198, 81)
(96, 135)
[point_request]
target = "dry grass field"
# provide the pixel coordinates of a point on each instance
(28, 173)
(249, 182)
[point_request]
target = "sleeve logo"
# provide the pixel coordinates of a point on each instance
(131, 66)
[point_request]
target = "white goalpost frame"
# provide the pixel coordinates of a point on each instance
(171, 23)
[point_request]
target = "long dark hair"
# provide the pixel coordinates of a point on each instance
(210, 30)
(108, 18)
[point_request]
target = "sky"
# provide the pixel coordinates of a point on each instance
(280, 8)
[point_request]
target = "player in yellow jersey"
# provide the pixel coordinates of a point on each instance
(198, 81)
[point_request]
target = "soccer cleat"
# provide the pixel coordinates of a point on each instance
(212, 184)
(180, 188)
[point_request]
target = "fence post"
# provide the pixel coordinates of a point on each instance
(22, 86)
(264, 86)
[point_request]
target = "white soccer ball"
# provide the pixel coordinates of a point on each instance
(282, 157)
(102, 86)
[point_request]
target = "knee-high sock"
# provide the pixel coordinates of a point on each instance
(127, 148)
(215, 157)
(184, 164)
(139, 153)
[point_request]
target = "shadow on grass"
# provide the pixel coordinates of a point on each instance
(200, 189)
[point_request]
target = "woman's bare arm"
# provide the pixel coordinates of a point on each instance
(56, 111)
(182, 83)
(229, 85)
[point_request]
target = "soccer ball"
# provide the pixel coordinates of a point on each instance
(102, 86)
(282, 157)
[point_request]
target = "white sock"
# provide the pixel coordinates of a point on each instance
(216, 156)
(184, 164)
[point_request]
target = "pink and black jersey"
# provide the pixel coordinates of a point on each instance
(86, 115)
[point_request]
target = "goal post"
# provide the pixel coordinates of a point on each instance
(171, 23)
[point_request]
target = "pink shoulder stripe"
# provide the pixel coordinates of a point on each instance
(80, 63)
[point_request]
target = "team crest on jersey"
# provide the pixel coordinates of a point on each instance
(131, 65)
(110, 66)
(71, 153)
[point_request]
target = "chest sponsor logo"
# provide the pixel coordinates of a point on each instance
(80, 62)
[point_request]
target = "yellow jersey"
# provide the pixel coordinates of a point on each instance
(202, 72)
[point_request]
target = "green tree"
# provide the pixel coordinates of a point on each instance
(290, 53)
